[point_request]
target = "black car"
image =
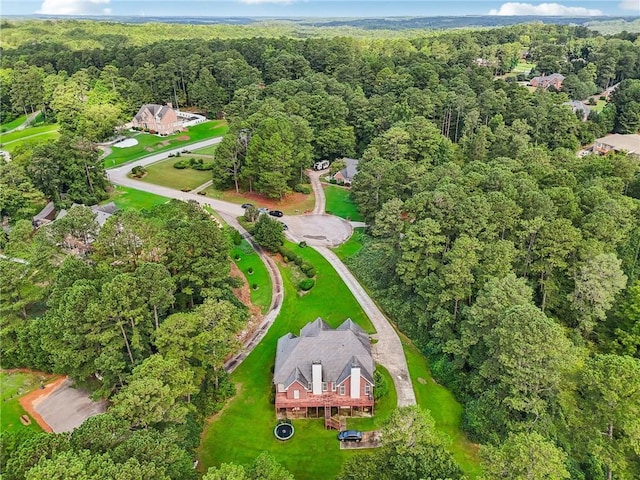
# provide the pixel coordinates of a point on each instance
(284, 226)
(350, 436)
(246, 205)
(276, 213)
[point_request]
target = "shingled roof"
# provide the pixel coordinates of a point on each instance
(337, 349)
(158, 111)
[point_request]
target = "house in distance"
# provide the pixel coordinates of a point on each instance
(324, 371)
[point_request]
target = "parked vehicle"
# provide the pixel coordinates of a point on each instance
(276, 213)
(263, 210)
(321, 165)
(350, 436)
(246, 205)
(285, 226)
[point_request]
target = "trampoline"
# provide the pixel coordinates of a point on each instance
(283, 431)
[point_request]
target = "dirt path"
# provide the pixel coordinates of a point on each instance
(31, 399)
(26, 123)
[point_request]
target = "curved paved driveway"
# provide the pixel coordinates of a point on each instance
(388, 350)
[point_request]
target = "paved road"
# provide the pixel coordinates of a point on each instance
(318, 191)
(388, 350)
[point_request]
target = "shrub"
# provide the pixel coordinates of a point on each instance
(308, 269)
(236, 236)
(333, 181)
(138, 171)
(302, 244)
(203, 166)
(381, 386)
(298, 261)
(185, 189)
(181, 164)
(306, 189)
(307, 284)
(254, 286)
(250, 271)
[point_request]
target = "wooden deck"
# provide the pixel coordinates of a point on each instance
(330, 400)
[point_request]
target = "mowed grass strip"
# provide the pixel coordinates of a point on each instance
(244, 428)
(32, 140)
(339, 203)
(149, 144)
(352, 245)
(444, 408)
(127, 198)
(14, 385)
(21, 135)
(210, 150)
(250, 260)
(13, 123)
(163, 173)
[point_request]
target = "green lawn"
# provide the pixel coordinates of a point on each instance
(12, 387)
(383, 408)
(244, 428)
(148, 144)
(29, 132)
(339, 203)
(130, 198)
(35, 140)
(523, 67)
(210, 150)
(445, 409)
(352, 245)
(598, 106)
(14, 123)
(163, 173)
(260, 276)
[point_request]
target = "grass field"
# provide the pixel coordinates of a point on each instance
(148, 144)
(34, 140)
(351, 246)
(7, 139)
(598, 106)
(523, 67)
(163, 173)
(14, 385)
(260, 276)
(227, 437)
(129, 198)
(210, 150)
(13, 123)
(339, 203)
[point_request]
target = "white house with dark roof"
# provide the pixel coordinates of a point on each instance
(324, 369)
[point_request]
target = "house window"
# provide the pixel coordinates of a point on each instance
(333, 386)
(367, 389)
(324, 386)
(343, 389)
(309, 386)
(296, 394)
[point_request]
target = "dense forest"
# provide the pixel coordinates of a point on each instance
(512, 262)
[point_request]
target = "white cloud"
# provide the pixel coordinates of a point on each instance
(553, 9)
(630, 5)
(74, 7)
(258, 2)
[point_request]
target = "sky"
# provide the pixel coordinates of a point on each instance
(318, 8)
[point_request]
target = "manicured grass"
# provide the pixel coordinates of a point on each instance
(148, 144)
(339, 203)
(210, 150)
(598, 106)
(14, 123)
(8, 138)
(383, 409)
(14, 385)
(523, 67)
(163, 173)
(352, 245)
(445, 410)
(130, 198)
(260, 276)
(34, 140)
(244, 428)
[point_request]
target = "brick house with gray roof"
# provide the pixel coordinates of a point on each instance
(324, 370)
(161, 119)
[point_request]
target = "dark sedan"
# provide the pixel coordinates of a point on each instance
(276, 213)
(350, 436)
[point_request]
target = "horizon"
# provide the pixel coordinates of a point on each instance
(321, 8)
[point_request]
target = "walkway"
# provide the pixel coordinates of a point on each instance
(30, 118)
(388, 350)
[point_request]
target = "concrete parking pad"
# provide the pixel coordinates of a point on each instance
(66, 407)
(319, 230)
